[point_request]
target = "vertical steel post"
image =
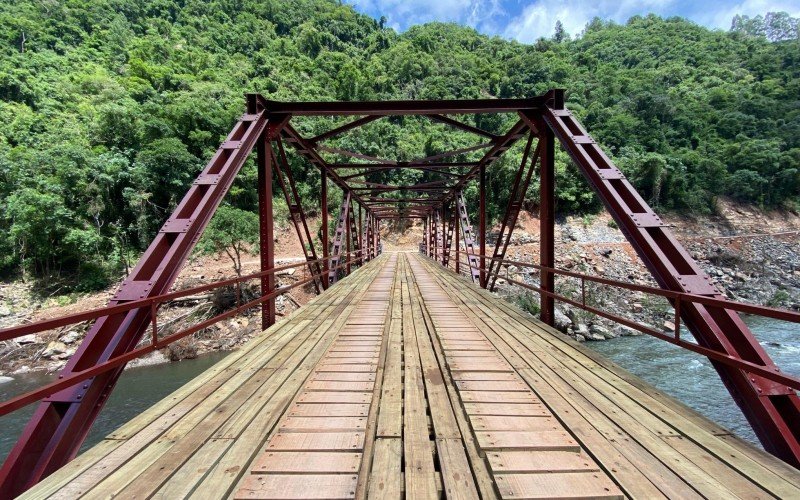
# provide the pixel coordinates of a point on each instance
(323, 195)
(360, 236)
(349, 237)
(547, 223)
(482, 224)
(264, 155)
(456, 240)
(443, 237)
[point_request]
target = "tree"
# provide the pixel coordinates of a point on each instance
(232, 231)
(560, 34)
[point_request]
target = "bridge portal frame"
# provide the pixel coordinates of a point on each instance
(61, 422)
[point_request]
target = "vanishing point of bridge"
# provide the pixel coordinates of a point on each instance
(405, 377)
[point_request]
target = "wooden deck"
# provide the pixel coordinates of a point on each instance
(405, 380)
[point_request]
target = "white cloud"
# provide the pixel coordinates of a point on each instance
(721, 18)
(527, 20)
(539, 18)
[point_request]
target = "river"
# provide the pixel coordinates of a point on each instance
(138, 389)
(690, 377)
(680, 373)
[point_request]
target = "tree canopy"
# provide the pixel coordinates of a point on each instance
(109, 108)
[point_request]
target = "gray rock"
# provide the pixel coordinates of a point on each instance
(70, 337)
(602, 331)
(561, 321)
(580, 338)
(27, 339)
(53, 349)
(5, 311)
(3, 380)
(626, 331)
(21, 370)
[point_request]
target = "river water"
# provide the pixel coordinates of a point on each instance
(138, 389)
(690, 377)
(680, 373)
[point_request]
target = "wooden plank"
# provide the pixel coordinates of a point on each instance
(344, 376)
(612, 453)
(492, 385)
(420, 478)
(328, 410)
(540, 462)
(520, 409)
(534, 440)
(307, 462)
(339, 385)
(497, 397)
(335, 397)
(558, 485)
(316, 441)
(386, 477)
(456, 479)
(322, 424)
(514, 423)
(292, 486)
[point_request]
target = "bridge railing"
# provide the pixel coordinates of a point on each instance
(156, 341)
(675, 299)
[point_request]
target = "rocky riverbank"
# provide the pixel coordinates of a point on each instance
(49, 351)
(752, 256)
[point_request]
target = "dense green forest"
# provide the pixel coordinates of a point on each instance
(109, 108)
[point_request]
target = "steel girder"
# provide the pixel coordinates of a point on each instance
(60, 423)
(773, 410)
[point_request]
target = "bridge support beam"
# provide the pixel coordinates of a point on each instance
(264, 157)
(547, 224)
(482, 224)
(323, 203)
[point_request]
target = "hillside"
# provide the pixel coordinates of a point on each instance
(109, 108)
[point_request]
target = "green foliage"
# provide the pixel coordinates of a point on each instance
(109, 109)
(232, 231)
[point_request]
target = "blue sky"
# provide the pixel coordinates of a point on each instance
(527, 20)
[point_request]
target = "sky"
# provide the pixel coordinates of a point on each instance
(527, 20)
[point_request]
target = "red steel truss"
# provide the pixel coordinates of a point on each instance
(62, 420)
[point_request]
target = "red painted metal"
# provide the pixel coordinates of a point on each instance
(296, 213)
(342, 228)
(469, 240)
(677, 298)
(61, 422)
(323, 202)
(448, 240)
(150, 303)
(264, 161)
(547, 219)
(456, 239)
(772, 409)
(517, 197)
(482, 224)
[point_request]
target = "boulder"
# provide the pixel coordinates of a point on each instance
(602, 331)
(561, 321)
(669, 326)
(3, 380)
(27, 339)
(70, 337)
(54, 349)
